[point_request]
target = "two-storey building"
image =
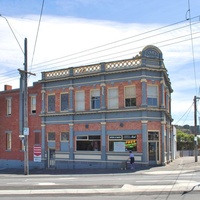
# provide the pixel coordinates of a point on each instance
(11, 126)
(91, 116)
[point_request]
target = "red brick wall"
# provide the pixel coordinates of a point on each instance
(11, 123)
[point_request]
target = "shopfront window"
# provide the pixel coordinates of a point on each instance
(122, 143)
(88, 143)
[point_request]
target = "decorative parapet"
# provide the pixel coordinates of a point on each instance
(56, 74)
(87, 69)
(150, 56)
(122, 64)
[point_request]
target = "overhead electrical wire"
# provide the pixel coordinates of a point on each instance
(192, 45)
(37, 34)
(186, 113)
(44, 64)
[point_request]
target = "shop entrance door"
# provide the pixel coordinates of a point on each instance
(153, 152)
(51, 158)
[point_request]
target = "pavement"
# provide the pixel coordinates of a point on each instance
(185, 166)
(182, 163)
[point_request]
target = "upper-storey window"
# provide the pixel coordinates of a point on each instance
(64, 102)
(33, 104)
(113, 98)
(9, 106)
(130, 96)
(152, 95)
(80, 101)
(95, 99)
(51, 103)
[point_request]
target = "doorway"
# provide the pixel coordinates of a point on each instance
(51, 158)
(153, 148)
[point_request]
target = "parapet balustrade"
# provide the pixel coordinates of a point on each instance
(77, 71)
(122, 64)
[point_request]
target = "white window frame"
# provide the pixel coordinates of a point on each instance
(33, 104)
(48, 103)
(8, 141)
(129, 95)
(80, 100)
(64, 139)
(9, 106)
(152, 93)
(95, 93)
(113, 102)
(61, 102)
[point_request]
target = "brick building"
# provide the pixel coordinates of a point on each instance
(11, 145)
(91, 116)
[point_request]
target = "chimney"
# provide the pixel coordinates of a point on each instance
(7, 87)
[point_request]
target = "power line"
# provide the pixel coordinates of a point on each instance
(115, 47)
(37, 33)
(12, 32)
(192, 45)
(186, 113)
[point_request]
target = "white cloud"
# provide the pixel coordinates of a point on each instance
(61, 36)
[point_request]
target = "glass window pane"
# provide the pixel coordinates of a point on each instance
(112, 98)
(51, 103)
(80, 101)
(64, 102)
(51, 136)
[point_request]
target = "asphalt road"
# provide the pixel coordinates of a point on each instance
(178, 180)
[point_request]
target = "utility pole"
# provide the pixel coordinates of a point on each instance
(195, 128)
(24, 94)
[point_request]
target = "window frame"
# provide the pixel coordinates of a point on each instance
(51, 103)
(67, 103)
(133, 97)
(8, 141)
(132, 138)
(96, 102)
(9, 106)
(89, 140)
(111, 99)
(80, 102)
(65, 140)
(33, 106)
(49, 140)
(152, 99)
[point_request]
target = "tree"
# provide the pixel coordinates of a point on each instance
(185, 141)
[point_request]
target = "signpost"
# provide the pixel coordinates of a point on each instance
(37, 151)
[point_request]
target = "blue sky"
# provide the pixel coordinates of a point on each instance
(108, 30)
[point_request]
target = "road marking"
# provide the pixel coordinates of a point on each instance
(169, 172)
(46, 183)
(180, 186)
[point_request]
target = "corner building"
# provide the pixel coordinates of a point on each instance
(93, 115)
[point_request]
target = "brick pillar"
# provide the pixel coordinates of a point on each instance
(103, 141)
(43, 101)
(144, 92)
(71, 99)
(162, 94)
(44, 159)
(144, 142)
(103, 96)
(163, 134)
(71, 141)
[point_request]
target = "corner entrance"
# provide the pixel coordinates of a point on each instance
(153, 146)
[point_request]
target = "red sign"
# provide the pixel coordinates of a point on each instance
(37, 151)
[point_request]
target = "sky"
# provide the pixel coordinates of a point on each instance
(72, 33)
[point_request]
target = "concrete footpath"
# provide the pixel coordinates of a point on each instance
(182, 163)
(184, 173)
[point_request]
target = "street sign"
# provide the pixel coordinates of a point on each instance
(37, 151)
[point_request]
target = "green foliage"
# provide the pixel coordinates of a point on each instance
(185, 141)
